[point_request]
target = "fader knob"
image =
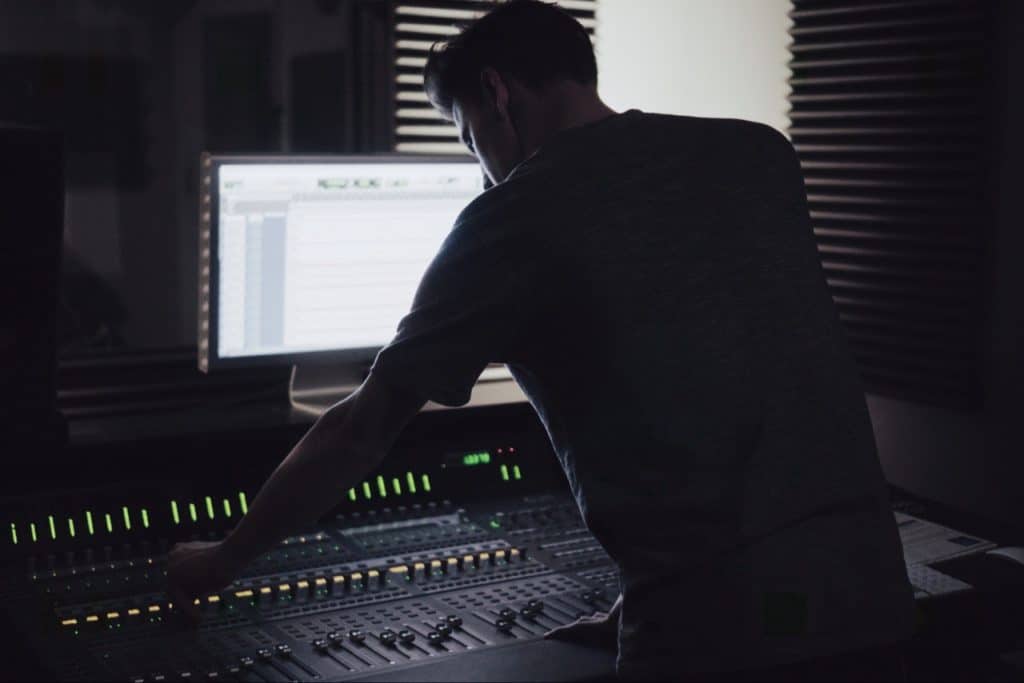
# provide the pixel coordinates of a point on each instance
(503, 625)
(434, 638)
(357, 636)
(535, 606)
(508, 614)
(387, 636)
(406, 636)
(336, 638)
(443, 629)
(454, 620)
(320, 644)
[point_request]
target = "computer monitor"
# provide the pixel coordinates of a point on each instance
(313, 261)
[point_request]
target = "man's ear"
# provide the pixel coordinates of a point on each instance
(495, 92)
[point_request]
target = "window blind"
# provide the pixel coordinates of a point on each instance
(888, 115)
(418, 25)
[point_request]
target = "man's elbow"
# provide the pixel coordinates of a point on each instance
(374, 417)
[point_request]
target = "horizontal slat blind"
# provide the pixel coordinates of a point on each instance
(888, 107)
(418, 25)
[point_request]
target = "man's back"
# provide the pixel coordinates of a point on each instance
(668, 318)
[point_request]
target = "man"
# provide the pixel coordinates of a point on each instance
(653, 283)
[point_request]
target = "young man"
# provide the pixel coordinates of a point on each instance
(653, 283)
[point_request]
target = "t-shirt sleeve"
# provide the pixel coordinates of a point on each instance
(475, 305)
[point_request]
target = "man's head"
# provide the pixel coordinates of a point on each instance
(512, 78)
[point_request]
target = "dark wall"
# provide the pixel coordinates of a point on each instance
(138, 90)
(974, 459)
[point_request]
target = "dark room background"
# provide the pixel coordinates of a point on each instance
(139, 89)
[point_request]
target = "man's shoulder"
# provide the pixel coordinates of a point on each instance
(709, 123)
(507, 202)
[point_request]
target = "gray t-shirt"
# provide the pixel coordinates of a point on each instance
(653, 284)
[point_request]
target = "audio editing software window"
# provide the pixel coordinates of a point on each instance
(328, 256)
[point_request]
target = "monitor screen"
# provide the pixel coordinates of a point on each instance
(316, 256)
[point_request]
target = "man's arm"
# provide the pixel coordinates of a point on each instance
(345, 444)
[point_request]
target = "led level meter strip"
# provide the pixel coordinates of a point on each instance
(189, 511)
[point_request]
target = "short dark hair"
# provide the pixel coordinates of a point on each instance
(535, 42)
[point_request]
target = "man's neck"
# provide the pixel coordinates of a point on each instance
(564, 106)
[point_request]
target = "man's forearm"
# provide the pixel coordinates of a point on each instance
(306, 485)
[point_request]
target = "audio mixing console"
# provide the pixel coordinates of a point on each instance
(438, 568)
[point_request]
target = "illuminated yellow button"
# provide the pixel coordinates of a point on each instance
(356, 576)
(320, 582)
(338, 578)
(372, 574)
(401, 569)
(453, 563)
(513, 554)
(284, 588)
(153, 608)
(484, 558)
(499, 555)
(302, 585)
(213, 599)
(92, 618)
(69, 622)
(113, 615)
(133, 611)
(196, 601)
(467, 562)
(243, 594)
(435, 566)
(264, 590)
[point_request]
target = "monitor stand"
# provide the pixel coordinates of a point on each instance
(315, 388)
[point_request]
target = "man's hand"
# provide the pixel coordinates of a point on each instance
(195, 570)
(600, 630)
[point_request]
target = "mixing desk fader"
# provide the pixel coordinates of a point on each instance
(442, 567)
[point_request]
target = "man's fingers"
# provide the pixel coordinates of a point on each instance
(185, 604)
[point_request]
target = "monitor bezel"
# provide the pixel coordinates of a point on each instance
(209, 228)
